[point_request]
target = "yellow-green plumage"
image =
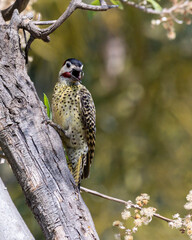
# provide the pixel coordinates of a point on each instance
(74, 111)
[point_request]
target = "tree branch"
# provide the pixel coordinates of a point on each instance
(36, 32)
(11, 222)
(43, 34)
(141, 7)
(121, 201)
(44, 22)
(103, 7)
(157, 12)
(20, 5)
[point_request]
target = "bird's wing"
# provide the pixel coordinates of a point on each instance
(89, 119)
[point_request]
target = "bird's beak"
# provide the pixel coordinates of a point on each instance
(77, 74)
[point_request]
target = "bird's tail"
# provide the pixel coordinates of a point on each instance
(77, 171)
(75, 162)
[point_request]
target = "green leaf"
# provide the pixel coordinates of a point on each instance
(47, 105)
(91, 14)
(155, 5)
(95, 2)
(67, 158)
(117, 2)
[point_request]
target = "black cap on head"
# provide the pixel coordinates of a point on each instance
(74, 62)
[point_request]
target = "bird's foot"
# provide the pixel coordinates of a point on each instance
(55, 126)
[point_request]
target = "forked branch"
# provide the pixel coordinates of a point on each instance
(43, 34)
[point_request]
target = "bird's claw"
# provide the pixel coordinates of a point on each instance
(46, 121)
(55, 126)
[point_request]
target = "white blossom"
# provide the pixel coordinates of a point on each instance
(128, 237)
(156, 22)
(118, 224)
(121, 227)
(138, 222)
(189, 225)
(176, 223)
(128, 231)
(176, 215)
(134, 229)
(143, 199)
(187, 222)
(188, 206)
(125, 214)
(148, 212)
(171, 224)
(164, 19)
(189, 196)
(128, 204)
(145, 196)
(146, 220)
(138, 199)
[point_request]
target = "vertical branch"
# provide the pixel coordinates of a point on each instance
(11, 221)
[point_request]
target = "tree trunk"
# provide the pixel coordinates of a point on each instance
(12, 225)
(34, 149)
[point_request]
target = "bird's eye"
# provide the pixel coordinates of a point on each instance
(68, 65)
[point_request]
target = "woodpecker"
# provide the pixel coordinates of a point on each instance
(74, 111)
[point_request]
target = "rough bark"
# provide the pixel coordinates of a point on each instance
(12, 225)
(34, 149)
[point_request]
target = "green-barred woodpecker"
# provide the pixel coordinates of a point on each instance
(74, 111)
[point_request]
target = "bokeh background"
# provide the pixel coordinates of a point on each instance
(141, 83)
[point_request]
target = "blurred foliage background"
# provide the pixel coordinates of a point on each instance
(142, 87)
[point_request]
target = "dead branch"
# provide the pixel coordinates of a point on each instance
(11, 222)
(121, 201)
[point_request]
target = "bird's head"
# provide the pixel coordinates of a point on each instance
(71, 71)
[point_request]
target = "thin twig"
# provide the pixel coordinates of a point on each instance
(70, 9)
(121, 201)
(177, 6)
(141, 7)
(74, 4)
(156, 12)
(31, 39)
(102, 2)
(176, 19)
(82, 6)
(44, 22)
(85, 6)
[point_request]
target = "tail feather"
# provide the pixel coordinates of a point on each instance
(77, 171)
(69, 163)
(86, 168)
(77, 162)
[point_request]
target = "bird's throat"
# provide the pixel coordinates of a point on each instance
(66, 74)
